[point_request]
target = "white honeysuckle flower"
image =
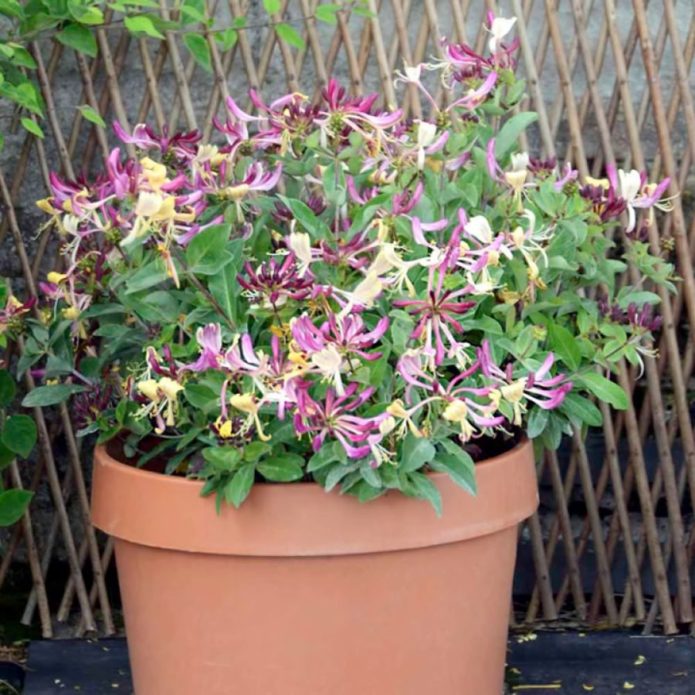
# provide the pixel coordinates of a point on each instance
(520, 161)
(426, 133)
(148, 204)
(501, 26)
(630, 184)
(479, 228)
(410, 75)
(300, 245)
(329, 363)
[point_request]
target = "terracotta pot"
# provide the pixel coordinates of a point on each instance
(300, 592)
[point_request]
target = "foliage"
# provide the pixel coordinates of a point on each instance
(335, 293)
(75, 24)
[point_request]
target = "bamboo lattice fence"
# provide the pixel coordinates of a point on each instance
(612, 81)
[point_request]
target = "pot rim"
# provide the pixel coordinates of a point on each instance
(301, 519)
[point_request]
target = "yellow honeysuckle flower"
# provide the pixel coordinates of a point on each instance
(72, 313)
(169, 387)
(55, 277)
(45, 206)
(246, 402)
(154, 172)
(236, 193)
(601, 183)
(224, 428)
(457, 411)
(149, 389)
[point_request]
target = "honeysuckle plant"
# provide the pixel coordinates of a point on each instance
(335, 292)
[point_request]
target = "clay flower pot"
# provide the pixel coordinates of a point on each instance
(301, 592)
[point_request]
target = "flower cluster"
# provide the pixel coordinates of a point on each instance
(337, 292)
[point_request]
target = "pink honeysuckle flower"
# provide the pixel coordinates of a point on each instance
(633, 188)
(340, 112)
(413, 367)
(472, 416)
(68, 196)
(419, 227)
(537, 387)
(437, 315)
(348, 335)
(568, 174)
(354, 251)
(184, 233)
(404, 202)
(272, 283)
(209, 340)
(162, 367)
(12, 312)
(182, 145)
(123, 176)
(605, 201)
(332, 417)
(493, 168)
(360, 197)
(474, 97)
(274, 375)
(258, 179)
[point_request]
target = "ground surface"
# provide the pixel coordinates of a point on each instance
(603, 663)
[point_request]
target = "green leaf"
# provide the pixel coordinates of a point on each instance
(583, 409)
(272, 6)
(226, 38)
(85, 13)
(33, 127)
(329, 453)
(638, 297)
(458, 464)
(419, 485)
(13, 503)
(417, 452)
(22, 58)
(6, 458)
(223, 286)
(510, 132)
(254, 451)
(25, 94)
(50, 395)
(605, 390)
(142, 24)
(207, 253)
(11, 8)
(327, 13)
(306, 218)
(282, 468)
(288, 34)
(537, 422)
(8, 388)
(91, 115)
(146, 276)
(564, 345)
(19, 434)
(225, 458)
(237, 490)
(80, 38)
(337, 473)
(199, 49)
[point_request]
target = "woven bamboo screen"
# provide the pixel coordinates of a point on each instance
(612, 81)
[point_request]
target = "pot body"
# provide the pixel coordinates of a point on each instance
(301, 592)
